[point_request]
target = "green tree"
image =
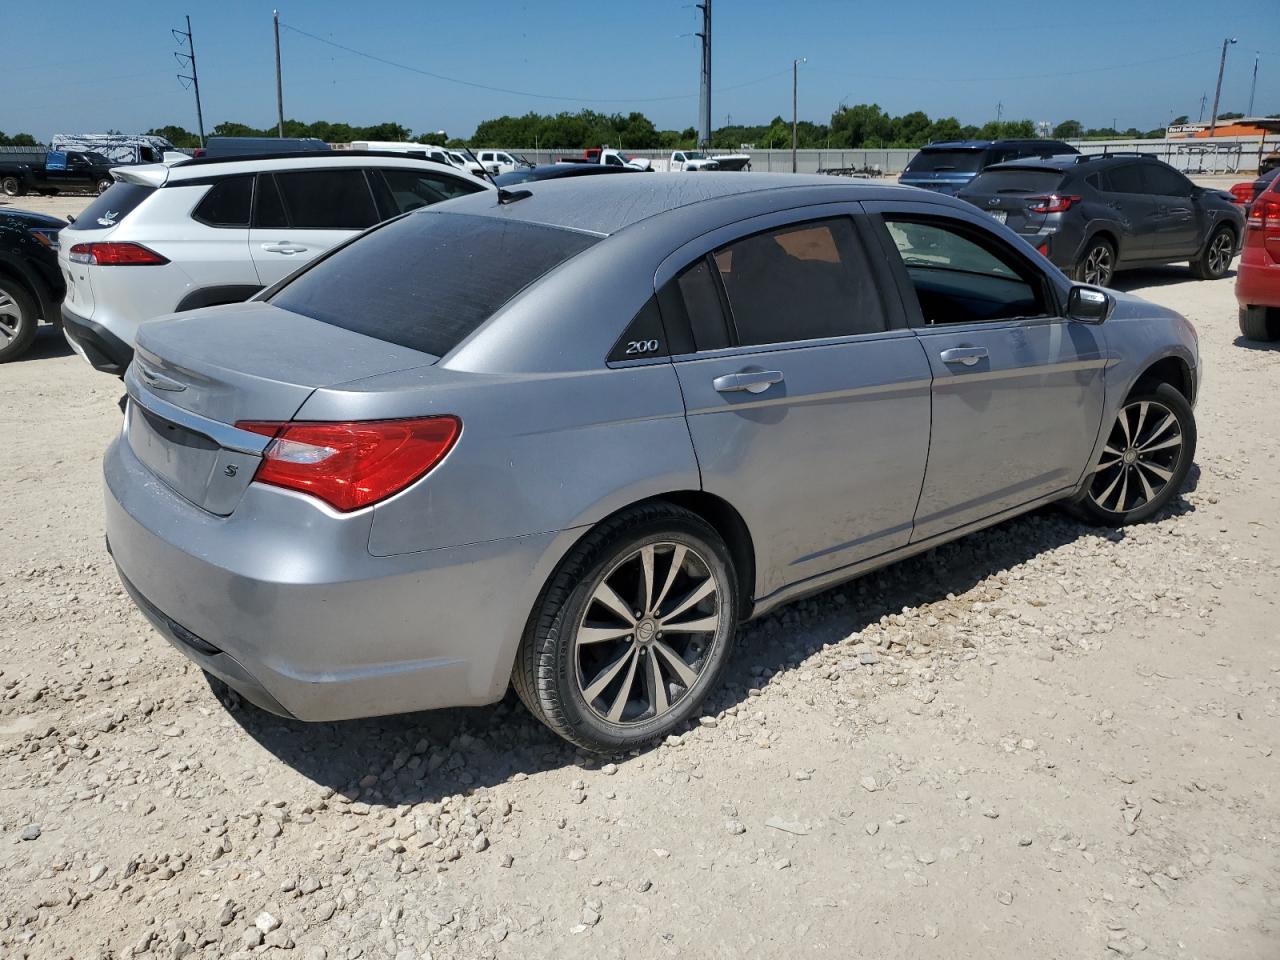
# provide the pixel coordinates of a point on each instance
(17, 140)
(1068, 130)
(178, 136)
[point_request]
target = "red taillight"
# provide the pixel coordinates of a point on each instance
(351, 465)
(106, 254)
(1053, 203)
(1265, 213)
(1043, 249)
(1242, 192)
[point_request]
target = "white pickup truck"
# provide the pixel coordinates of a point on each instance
(687, 161)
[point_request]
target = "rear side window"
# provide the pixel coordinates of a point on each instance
(428, 280)
(802, 282)
(327, 199)
(1125, 178)
(1015, 182)
(268, 207)
(109, 209)
(227, 203)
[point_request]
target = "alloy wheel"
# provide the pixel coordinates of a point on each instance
(645, 633)
(1140, 458)
(1221, 250)
(11, 319)
(1098, 265)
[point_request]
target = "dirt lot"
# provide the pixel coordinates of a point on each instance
(1045, 740)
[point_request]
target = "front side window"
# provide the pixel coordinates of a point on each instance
(963, 275)
(1166, 182)
(227, 203)
(803, 282)
(327, 199)
(411, 189)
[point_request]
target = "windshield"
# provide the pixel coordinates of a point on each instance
(694, 155)
(946, 161)
(418, 281)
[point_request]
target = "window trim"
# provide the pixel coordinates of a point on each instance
(702, 247)
(972, 229)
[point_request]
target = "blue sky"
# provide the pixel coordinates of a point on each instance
(77, 67)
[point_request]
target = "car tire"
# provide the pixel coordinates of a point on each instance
(1215, 260)
(12, 187)
(104, 185)
(608, 681)
(18, 319)
(1148, 453)
(1097, 263)
(1259, 323)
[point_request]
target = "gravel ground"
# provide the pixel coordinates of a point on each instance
(1044, 740)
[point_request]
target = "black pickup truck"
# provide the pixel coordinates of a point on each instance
(55, 172)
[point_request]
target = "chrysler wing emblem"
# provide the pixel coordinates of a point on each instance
(158, 381)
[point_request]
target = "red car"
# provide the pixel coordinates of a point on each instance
(1258, 276)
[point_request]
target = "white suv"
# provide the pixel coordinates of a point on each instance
(164, 239)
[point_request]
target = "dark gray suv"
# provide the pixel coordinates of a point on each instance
(1094, 215)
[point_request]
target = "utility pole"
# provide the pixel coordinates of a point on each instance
(999, 114)
(704, 94)
(1253, 87)
(275, 17)
(795, 73)
(1217, 93)
(1204, 98)
(194, 79)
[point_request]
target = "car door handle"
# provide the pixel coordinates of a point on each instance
(965, 355)
(753, 381)
(284, 246)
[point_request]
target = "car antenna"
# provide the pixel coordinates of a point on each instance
(505, 196)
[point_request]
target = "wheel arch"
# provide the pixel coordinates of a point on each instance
(1107, 234)
(31, 285)
(1171, 369)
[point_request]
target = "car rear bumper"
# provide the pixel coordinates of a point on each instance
(283, 601)
(1258, 285)
(98, 345)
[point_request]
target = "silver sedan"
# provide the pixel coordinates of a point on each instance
(569, 437)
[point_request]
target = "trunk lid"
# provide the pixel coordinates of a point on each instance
(194, 376)
(1007, 195)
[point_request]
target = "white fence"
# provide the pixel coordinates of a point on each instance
(1223, 155)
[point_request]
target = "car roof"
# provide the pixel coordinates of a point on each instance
(1071, 161)
(201, 169)
(984, 144)
(605, 205)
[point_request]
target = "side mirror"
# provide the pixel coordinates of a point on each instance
(1089, 304)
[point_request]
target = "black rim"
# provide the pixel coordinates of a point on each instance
(1098, 265)
(1220, 252)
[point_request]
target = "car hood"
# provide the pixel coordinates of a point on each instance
(29, 218)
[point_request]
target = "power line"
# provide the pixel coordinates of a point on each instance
(1029, 76)
(507, 90)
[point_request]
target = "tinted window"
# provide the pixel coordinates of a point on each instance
(419, 282)
(700, 298)
(961, 275)
(1014, 182)
(802, 282)
(268, 208)
(227, 203)
(327, 199)
(1125, 178)
(1165, 181)
(945, 161)
(120, 200)
(411, 189)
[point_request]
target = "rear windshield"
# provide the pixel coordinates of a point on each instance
(944, 161)
(995, 182)
(427, 281)
(120, 200)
